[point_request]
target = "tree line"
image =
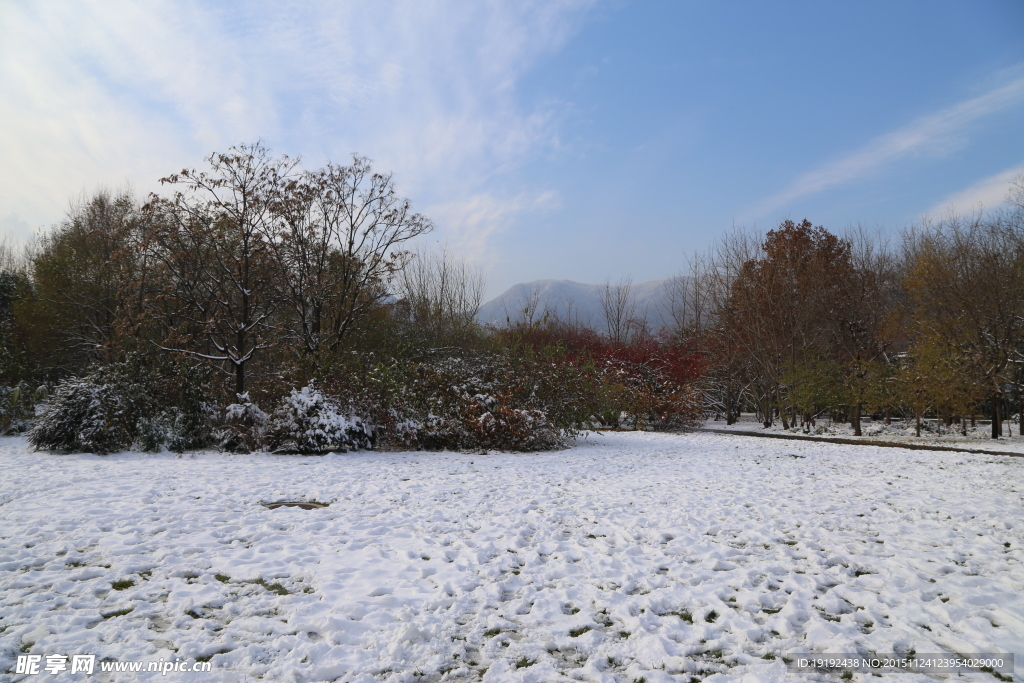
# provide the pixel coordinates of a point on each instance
(259, 304)
(256, 284)
(802, 323)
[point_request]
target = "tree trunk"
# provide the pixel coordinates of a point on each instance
(888, 416)
(239, 378)
(999, 412)
(855, 421)
(996, 427)
(917, 418)
(1020, 410)
(782, 408)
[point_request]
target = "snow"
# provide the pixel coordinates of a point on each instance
(582, 563)
(978, 438)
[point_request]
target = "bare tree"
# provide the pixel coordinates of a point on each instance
(368, 220)
(527, 315)
(866, 294)
(210, 243)
(619, 308)
(1015, 195)
(14, 257)
(442, 293)
(689, 297)
(729, 378)
(336, 235)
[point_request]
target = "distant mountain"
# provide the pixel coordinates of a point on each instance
(573, 301)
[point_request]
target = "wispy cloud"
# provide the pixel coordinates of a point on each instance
(931, 132)
(472, 221)
(988, 193)
(103, 91)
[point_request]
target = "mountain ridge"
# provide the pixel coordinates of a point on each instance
(573, 301)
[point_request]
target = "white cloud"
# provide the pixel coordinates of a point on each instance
(472, 221)
(99, 92)
(988, 193)
(929, 133)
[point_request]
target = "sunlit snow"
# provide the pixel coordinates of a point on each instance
(629, 556)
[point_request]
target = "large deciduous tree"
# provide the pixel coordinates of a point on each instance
(336, 238)
(83, 273)
(777, 303)
(218, 289)
(966, 285)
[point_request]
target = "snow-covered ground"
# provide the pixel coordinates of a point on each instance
(632, 556)
(978, 437)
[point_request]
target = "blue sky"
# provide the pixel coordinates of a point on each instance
(573, 139)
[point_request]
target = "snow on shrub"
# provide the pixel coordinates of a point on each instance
(243, 428)
(309, 422)
(485, 422)
(476, 403)
(131, 404)
(189, 417)
(98, 413)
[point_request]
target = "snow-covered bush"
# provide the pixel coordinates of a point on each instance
(478, 403)
(307, 421)
(644, 394)
(189, 416)
(489, 422)
(98, 413)
(243, 428)
(132, 404)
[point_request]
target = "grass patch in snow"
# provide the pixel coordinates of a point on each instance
(682, 614)
(711, 616)
(122, 584)
(206, 658)
(577, 632)
(223, 578)
(118, 613)
(524, 662)
(272, 587)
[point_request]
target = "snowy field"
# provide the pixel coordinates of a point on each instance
(630, 557)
